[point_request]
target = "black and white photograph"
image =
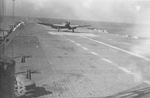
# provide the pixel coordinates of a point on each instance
(74, 48)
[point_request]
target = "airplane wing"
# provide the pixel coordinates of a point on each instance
(46, 24)
(56, 26)
(79, 26)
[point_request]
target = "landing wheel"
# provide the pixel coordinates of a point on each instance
(72, 30)
(58, 29)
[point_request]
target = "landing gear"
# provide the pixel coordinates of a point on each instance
(58, 29)
(72, 30)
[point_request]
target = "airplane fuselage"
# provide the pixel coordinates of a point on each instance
(65, 26)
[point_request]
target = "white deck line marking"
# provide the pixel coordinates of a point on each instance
(125, 70)
(51, 33)
(78, 44)
(135, 75)
(107, 60)
(116, 65)
(72, 34)
(75, 43)
(125, 51)
(71, 40)
(94, 53)
(112, 63)
(85, 48)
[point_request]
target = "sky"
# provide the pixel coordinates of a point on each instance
(98, 10)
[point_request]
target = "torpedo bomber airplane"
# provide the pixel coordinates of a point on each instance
(66, 25)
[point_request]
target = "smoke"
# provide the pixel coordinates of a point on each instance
(135, 71)
(143, 30)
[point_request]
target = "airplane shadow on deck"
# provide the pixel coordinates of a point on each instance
(71, 31)
(39, 91)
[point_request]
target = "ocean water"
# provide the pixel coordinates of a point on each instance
(111, 27)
